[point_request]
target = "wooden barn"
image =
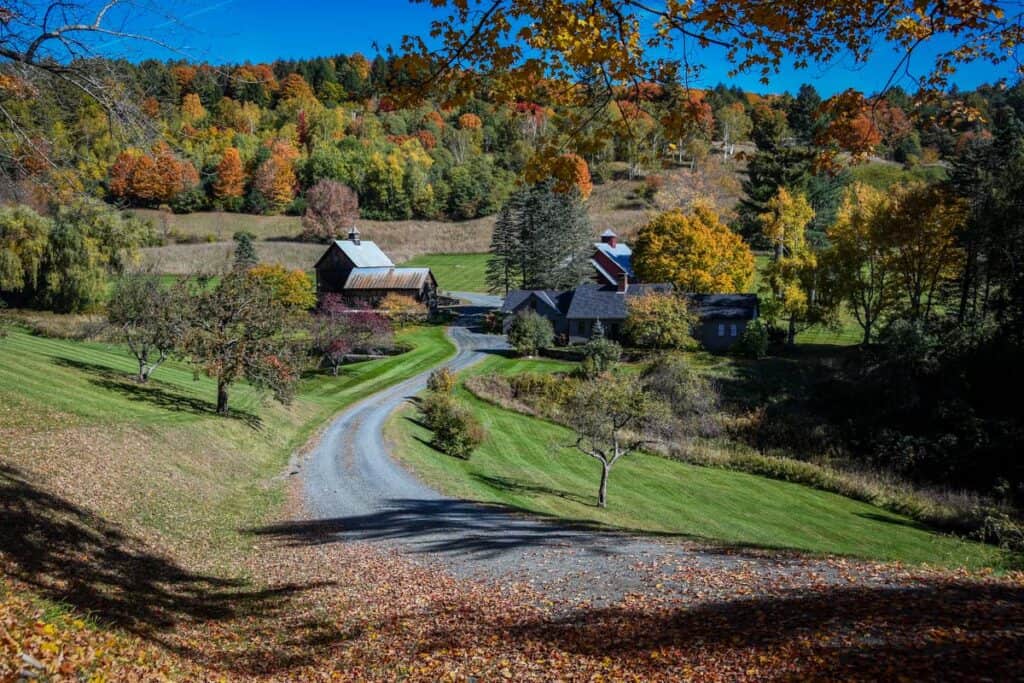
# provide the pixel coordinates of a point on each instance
(363, 275)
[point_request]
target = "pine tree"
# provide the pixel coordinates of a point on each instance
(542, 240)
(245, 252)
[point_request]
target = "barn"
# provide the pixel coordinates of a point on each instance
(362, 274)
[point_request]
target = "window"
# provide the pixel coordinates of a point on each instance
(721, 329)
(732, 330)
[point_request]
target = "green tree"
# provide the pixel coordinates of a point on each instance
(239, 329)
(542, 240)
(245, 251)
(613, 416)
(660, 321)
(530, 332)
(24, 235)
(151, 318)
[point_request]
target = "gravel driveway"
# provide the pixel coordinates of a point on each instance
(355, 492)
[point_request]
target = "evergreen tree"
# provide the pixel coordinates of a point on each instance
(542, 240)
(804, 114)
(245, 251)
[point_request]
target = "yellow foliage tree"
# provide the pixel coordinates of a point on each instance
(695, 251)
(293, 288)
(859, 261)
(192, 109)
(791, 277)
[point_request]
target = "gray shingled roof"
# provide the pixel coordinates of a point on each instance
(592, 301)
(724, 306)
(555, 299)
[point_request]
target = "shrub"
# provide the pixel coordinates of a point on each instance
(753, 343)
(492, 322)
(530, 332)
(456, 431)
(599, 355)
(441, 381)
(403, 310)
(660, 321)
(692, 396)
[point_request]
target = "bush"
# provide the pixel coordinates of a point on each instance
(599, 355)
(692, 397)
(753, 343)
(456, 431)
(660, 321)
(530, 332)
(441, 381)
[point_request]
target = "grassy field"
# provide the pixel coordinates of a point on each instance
(884, 176)
(154, 457)
(455, 272)
(524, 464)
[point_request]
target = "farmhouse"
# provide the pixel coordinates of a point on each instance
(612, 261)
(361, 273)
(574, 312)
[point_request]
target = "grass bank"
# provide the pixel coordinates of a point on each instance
(524, 464)
(154, 457)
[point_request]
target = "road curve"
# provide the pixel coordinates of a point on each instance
(355, 492)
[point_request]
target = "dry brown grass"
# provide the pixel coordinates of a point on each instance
(614, 204)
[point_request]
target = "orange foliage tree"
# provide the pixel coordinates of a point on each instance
(230, 180)
(149, 178)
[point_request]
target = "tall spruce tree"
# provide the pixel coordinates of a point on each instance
(542, 240)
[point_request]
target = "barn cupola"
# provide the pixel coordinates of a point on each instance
(353, 235)
(610, 238)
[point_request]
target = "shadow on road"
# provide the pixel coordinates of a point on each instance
(449, 527)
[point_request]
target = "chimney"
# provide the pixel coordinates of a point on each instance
(623, 284)
(610, 238)
(353, 235)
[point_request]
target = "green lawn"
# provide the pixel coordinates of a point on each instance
(524, 464)
(156, 455)
(455, 272)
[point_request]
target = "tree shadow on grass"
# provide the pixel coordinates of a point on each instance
(67, 554)
(514, 486)
(118, 382)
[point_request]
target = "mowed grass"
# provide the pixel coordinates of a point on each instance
(455, 272)
(155, 457)
(524, 463)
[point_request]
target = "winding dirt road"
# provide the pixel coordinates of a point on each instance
(355, 492)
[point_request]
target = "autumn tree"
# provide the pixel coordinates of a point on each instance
(734, 126)
(332, 209)
(275, 181)
(230, 181)
(791, 276)
(695, 251)
(859, 261)
(337, 330)
(688, 119)
(293, 288)
(239, 329)
(151, 318)
(613, 417)
(921, 231)
(659, 321)
(192, 109)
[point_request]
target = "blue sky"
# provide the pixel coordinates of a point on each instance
(229, 31)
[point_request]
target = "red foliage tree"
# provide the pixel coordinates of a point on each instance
(331, 209)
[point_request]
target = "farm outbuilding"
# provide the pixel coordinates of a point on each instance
(362, 274)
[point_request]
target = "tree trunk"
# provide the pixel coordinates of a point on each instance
(143, 375)
(791, 333)
(222, 397)
(602, 493)
(867, 331)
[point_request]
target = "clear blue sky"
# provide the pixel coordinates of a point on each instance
(230, 31)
